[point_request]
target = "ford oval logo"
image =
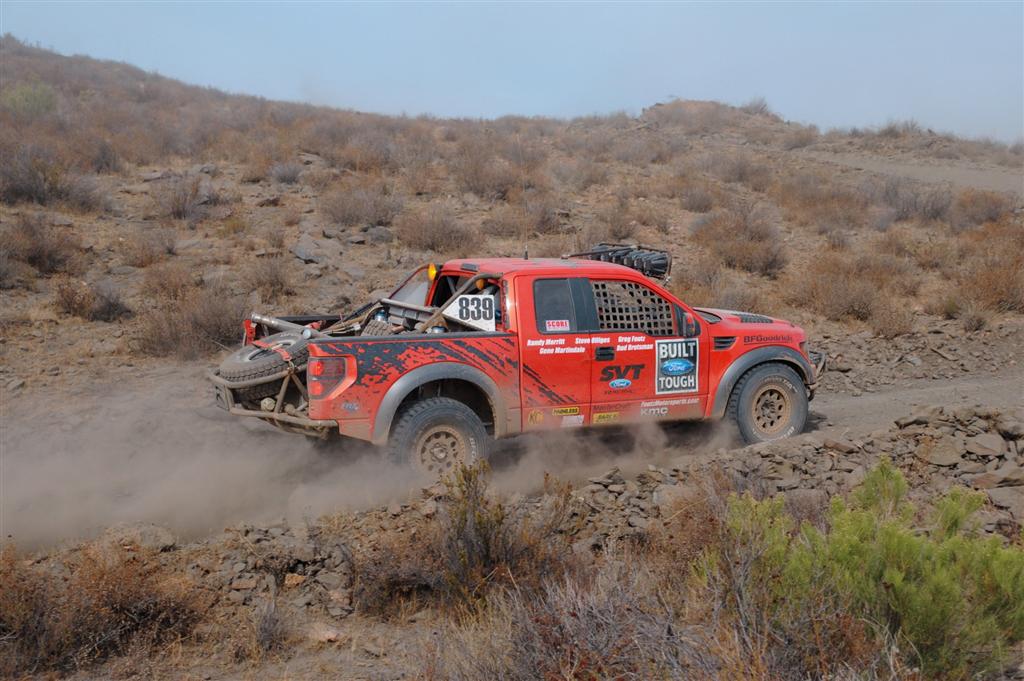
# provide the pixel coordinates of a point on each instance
(620, 383)
(676, 367)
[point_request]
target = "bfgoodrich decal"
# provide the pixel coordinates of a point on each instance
(676, 366)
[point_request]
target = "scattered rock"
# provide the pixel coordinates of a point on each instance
(154, 175)
(320, 632)
(987, 444)
(843, 446)
(269, 201)
(941, 452)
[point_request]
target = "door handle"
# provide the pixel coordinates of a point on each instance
(604, 354)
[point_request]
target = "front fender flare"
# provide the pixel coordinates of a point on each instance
(749, 360)
(438, 371)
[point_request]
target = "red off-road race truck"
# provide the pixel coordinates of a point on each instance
(485, 348)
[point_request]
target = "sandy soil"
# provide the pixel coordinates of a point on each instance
(991, 178)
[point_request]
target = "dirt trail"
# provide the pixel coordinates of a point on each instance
(957, 174)
(125, 452)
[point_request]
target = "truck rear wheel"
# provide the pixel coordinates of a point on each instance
(437, 435)
(769, 403)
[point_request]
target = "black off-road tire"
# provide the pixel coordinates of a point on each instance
(436, 435)
(768, 403)
(251, 362)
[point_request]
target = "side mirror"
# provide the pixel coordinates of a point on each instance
(688, 325)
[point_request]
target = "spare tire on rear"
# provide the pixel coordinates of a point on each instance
(253, 362)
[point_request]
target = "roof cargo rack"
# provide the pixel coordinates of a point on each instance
(651, 262)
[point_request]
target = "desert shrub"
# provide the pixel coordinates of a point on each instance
(909, 200)
(95, 302)
(29, 101)
(368, 151)
(475, 546)
(110, 602)
(974, 207)
(269, 276)
(973, 315)
(542, 210)
(891, 318)
(434, 229)
(105, 158)
(581, 174)
(800, 138)
(167, 281)
(291, 216)
(285, 173)
(833, 287)
(758, 106)
(805, 601)
(362, 205)
(182, 199)
(265, 635)
(697, 198)
(996, 281)
(610, 626)
(896, 129)
(506, 221)
(202, 321)
(148, 245)
(741, 168)
(32, 173)
(477, 169)
(33, 241)
(744, 239)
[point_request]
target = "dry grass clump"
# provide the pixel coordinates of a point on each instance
(974, 207)
(168, 281)
(581, 174)
(697, 198)
(34, 242)
(204, 320)
(911, 201)
(478, 169)
(94, 302)
(745, 239)
(741, 168)
(270, 276)
(506, 221)
(434, 229)
(371, 204)
(148, 245)
(475, 546)
(35, 174)
(182, 199)
(109, 603)
(859, 287)
(800, 138)
(285, 173)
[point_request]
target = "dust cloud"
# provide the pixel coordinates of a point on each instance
(157, 450)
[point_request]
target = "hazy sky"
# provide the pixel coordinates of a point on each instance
(952, 66)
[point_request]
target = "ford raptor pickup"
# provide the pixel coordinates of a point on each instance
(483, 348)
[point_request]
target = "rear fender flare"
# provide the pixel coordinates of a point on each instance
(749, 360)
(405, 385)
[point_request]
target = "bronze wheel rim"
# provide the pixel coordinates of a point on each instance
(772, 410)
(440, 449)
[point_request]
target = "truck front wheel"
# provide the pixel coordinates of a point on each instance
(438, 434)
(769, 403)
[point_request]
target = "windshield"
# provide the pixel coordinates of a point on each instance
(414, 289)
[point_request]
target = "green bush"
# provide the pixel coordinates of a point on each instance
(29, 101)
(951, 602)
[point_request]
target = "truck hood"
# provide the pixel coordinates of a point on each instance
(752, 328)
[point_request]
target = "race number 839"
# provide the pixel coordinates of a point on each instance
(476, 311)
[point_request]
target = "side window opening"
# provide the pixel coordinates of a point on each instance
(628, 306)
(553, 306)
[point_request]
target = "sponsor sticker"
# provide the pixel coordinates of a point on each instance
(758, 339)
(606, 417)
(556, 325)
(676, 366)
(535, 417)
(572, 421)
(565, 411)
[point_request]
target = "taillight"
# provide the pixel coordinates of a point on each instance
(324, 374)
